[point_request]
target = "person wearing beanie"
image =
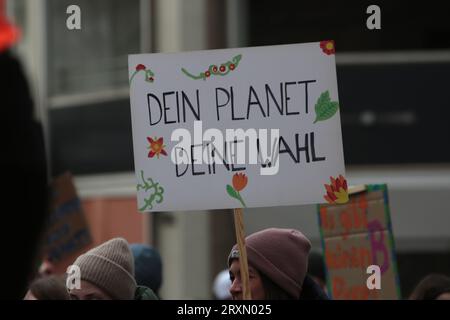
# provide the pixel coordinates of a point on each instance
(278, 264)
(106, 272)
(147, 266)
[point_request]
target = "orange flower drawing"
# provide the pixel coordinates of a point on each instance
(156, 147)
(337, 191)
(239, 181)
(328, 46)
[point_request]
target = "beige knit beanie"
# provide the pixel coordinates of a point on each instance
(110, 266)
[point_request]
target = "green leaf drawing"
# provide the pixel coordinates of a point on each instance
(325, 108)
(232, 192)
(323, 99)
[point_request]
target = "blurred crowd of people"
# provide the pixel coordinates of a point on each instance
(280, 266)
(114, 270)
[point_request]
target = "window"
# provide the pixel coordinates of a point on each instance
(94, 58)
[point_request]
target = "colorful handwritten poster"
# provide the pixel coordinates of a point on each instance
(67, 230)
(244, 127)
(354, 236)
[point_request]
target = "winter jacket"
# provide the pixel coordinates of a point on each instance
(144, 293)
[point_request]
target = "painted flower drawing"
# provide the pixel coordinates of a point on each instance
(215, 70)
(148, 74)
(328, 47)
(140, 67)
(156, 147)
(239, 183)
(337, 191)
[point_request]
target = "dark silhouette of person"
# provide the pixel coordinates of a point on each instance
(24, 172)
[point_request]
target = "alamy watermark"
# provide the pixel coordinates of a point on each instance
(73, 21)
(374, 280)
(374, 20)
(238, 147)
(73, 280)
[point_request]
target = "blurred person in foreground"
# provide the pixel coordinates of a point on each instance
(107, 273)
(24, 171)
(278, 264)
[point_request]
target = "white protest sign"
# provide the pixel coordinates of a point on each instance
(261, 124)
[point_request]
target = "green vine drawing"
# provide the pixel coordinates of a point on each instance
(325, 108)
(157, 193)
(215, 70)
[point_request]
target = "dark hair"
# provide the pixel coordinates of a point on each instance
(316, 265)
(50, 288)
(273, 291)
(434, 293)
(311, 290)
(430, 287)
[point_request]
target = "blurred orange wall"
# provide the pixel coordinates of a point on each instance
(112, 217)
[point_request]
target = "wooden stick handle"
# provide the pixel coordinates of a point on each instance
(240, 236)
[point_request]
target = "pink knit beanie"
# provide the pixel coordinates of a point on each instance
(280, 254)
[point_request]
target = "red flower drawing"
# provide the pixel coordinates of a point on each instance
(328, 46)
(156, 147)
(140, 67)
(337, 191)
(149, 75)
